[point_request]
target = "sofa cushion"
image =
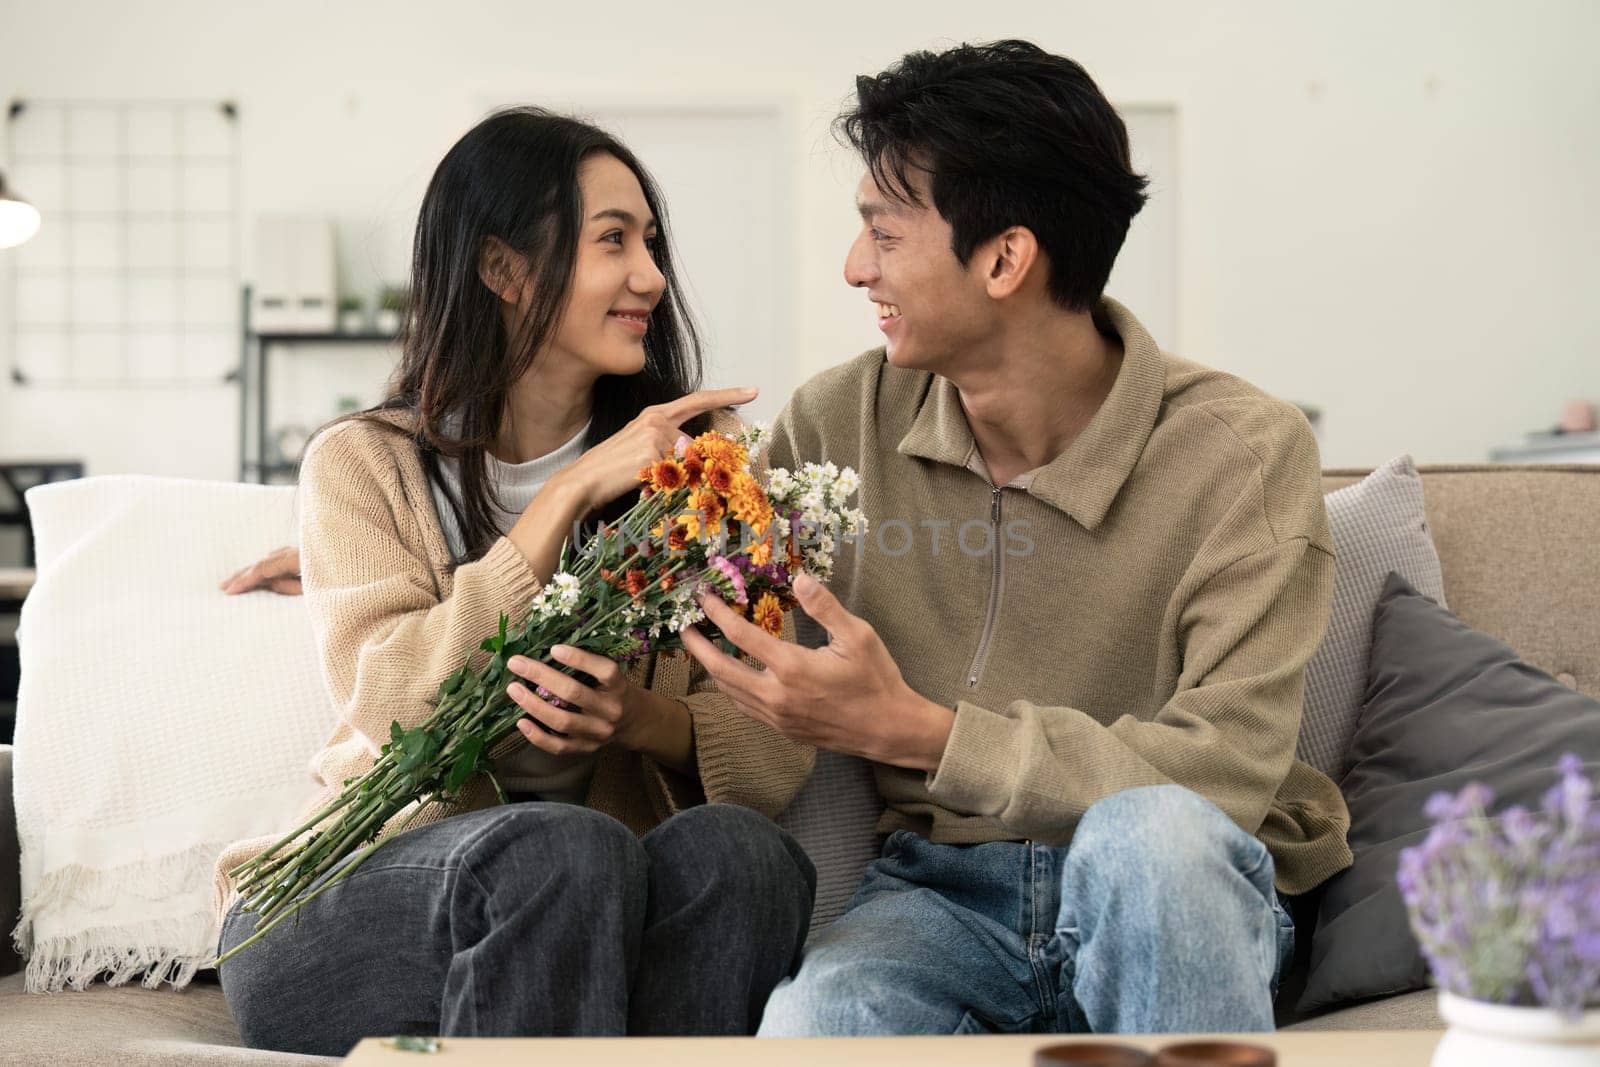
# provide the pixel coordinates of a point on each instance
(1407, 1011)
(1378, 526)
(1446, 705)
(1520, 558)
(128, 1026)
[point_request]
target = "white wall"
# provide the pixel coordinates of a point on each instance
(1384, 205)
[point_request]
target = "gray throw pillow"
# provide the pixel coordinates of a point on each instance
(1378, 526)
(1445, 705)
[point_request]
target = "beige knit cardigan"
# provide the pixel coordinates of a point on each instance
(392, 620)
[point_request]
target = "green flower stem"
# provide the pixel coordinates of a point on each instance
(376, 817)
(382, 764)
(349, 868)
(271, 882)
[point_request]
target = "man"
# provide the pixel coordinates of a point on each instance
(1077, 660)
(1074, 642)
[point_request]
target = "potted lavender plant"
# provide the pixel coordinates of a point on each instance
(1507, 912)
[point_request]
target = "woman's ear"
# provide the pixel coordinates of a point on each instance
(502, 270)
(1010, 257)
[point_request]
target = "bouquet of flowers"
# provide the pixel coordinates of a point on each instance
(703, 524)
(1507, 910)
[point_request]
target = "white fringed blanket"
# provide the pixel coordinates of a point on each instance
(158, 720)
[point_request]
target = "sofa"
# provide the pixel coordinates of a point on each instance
(1515, 544)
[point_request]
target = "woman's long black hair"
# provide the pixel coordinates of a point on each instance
(514, 177)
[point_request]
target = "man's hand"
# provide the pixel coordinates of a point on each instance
(278, 572)
(848, 696)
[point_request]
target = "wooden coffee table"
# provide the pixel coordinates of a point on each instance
(1370, 1048)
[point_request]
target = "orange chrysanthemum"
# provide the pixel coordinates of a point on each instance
(719, 449)
(668, 474)
(678, 539)
(645, 473)
(760, 553)
(719, 478)
(694, 468)
(748, 503)
(768, 615)
(710, 505)
(636, 582)
(667, 583)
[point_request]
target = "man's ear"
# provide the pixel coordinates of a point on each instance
(1010, 258)
(502, 270)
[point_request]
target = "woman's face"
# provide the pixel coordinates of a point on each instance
(615, 281)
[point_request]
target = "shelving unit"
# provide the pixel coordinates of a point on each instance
(255, 351)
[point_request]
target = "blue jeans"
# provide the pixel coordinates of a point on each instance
(1159, 917)
(533, 919)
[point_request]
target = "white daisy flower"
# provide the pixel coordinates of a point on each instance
(755, 436)
(780, 483)
(567, 591)
(813, 507)
(819, 564)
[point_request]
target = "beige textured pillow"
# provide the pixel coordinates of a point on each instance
(1378, 526)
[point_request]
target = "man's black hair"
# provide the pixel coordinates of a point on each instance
(1007, 134)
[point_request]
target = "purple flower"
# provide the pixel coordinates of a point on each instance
(1506, 908)
(546, 695)
(1570, 796)
(1440, 806)
(1522, 829)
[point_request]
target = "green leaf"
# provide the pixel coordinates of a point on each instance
(413, 750)
(454, 682)
(396, 735)
(408, 1043)
(466, 763)
(496, 643)
(498, 790)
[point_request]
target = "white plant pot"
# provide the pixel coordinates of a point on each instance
(385, 320)
(352, 321)
(1481, 1034)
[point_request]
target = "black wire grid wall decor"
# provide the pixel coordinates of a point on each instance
(133, 278)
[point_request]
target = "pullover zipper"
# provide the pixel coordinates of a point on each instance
(994, 591)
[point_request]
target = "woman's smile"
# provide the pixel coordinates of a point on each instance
(637, 321)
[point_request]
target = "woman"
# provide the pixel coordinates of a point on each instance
(547, 358)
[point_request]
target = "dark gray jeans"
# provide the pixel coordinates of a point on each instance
(533, 919)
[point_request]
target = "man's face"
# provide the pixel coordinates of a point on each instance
(933, 311)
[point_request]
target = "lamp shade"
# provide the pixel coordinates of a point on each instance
(19, 220)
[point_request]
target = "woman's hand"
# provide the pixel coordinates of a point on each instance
(278, 572)
(612, 710)
(612, 467)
